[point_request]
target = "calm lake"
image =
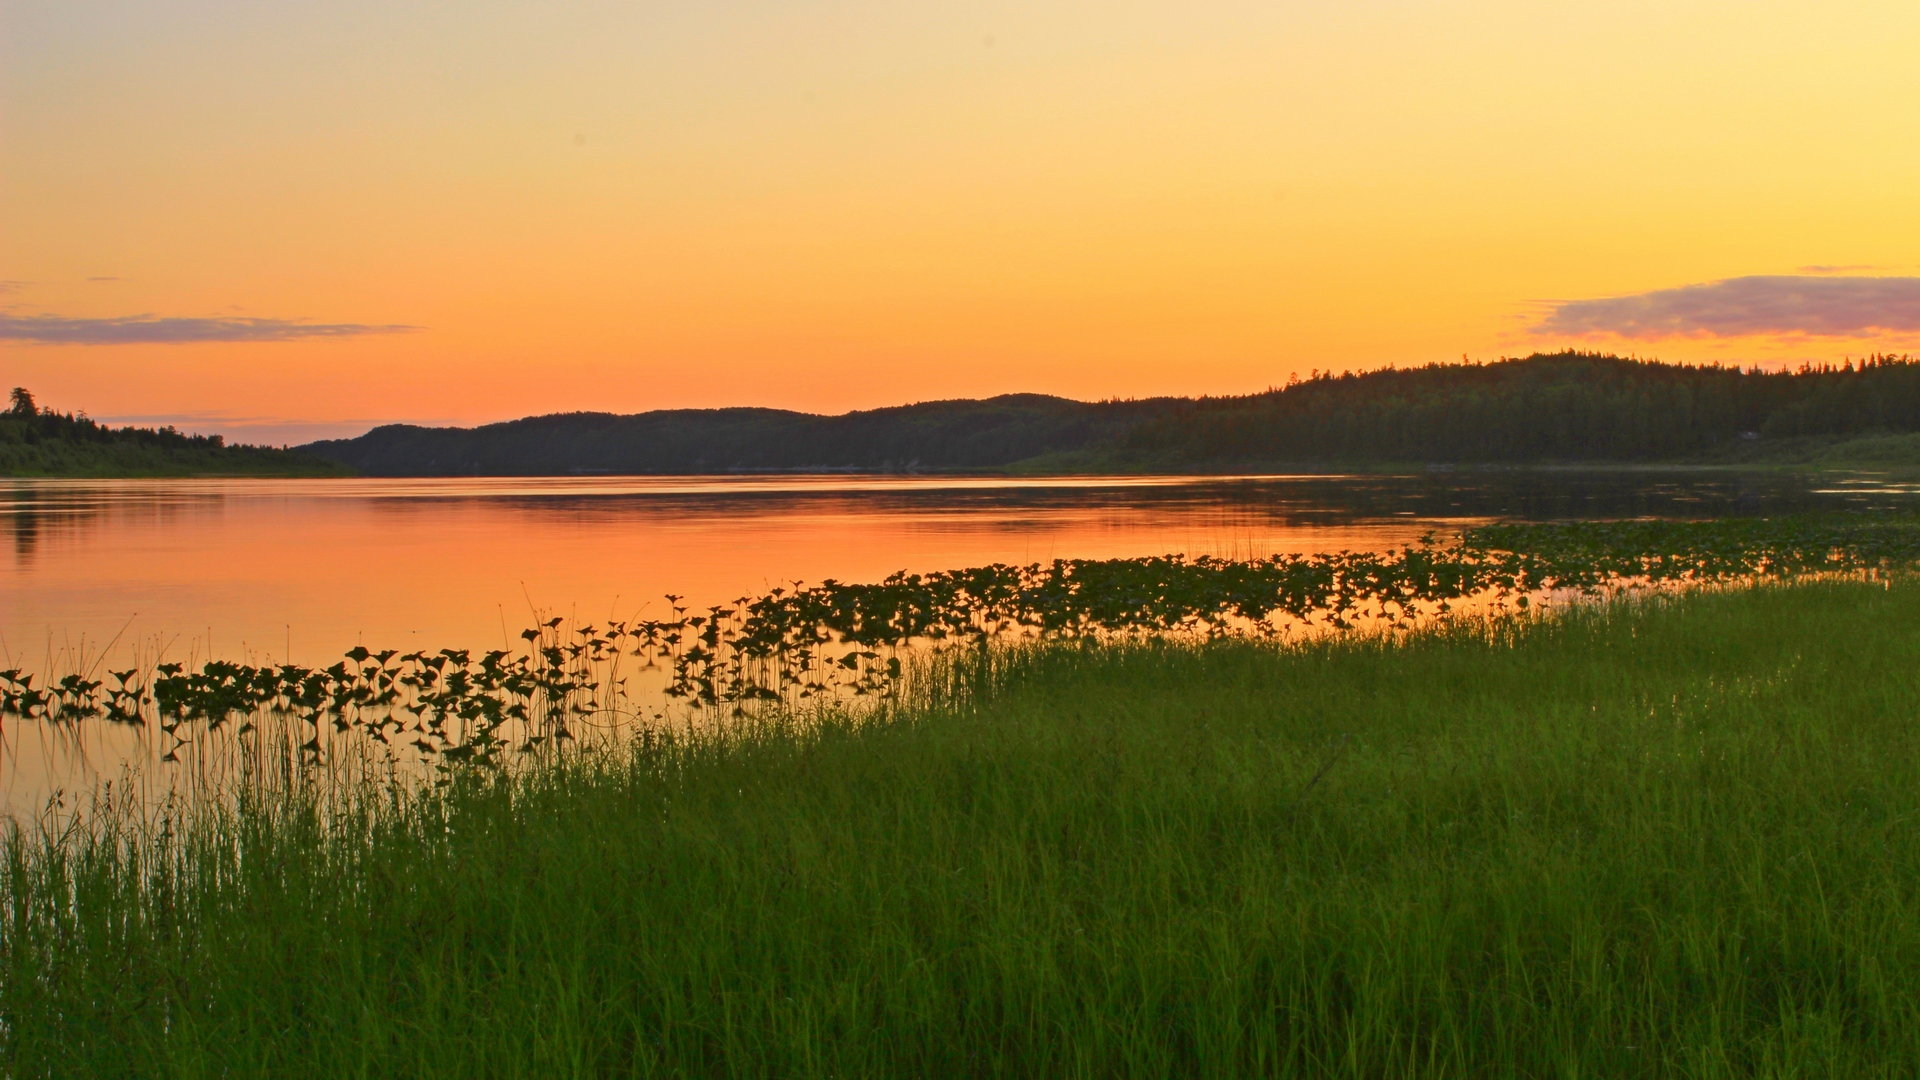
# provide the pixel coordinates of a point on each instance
(102, 574)
(300, 570)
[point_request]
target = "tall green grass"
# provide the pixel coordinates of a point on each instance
(1671, 837)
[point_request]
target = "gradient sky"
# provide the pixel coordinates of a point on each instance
(280, 220)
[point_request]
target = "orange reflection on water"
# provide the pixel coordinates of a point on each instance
(104, 575)
(301, 570)
(96, 575)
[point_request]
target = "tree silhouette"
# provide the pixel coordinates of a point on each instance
(36, 441)
(1568, 406)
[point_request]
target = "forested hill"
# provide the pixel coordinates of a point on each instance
(937, 435)
(1560, 407)
(1565, 407)
(41, 442)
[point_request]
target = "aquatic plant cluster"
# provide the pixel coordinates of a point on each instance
(837, 640)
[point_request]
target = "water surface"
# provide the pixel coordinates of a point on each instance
(96, 575)
(299, 570)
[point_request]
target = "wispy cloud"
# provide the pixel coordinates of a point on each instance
(1850, 268)
(1778, 304)
(11, 286)
(152, 329)
(192, 419)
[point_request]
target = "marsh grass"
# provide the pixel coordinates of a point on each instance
(1674, 836)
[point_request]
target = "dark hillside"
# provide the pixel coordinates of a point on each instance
(1560, 407)
(935, 435)
(1563, 407)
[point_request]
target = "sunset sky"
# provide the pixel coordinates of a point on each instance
(293, 219)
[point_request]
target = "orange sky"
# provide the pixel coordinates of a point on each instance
(218, 213)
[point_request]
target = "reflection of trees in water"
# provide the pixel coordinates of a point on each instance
(1291, 501)
(27, 520)
(33, 516)
(22, 524)
(1549, 496)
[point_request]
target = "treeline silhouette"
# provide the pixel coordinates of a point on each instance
(938, 435)
(1561, 407)
(35, 441)
(1568, 406)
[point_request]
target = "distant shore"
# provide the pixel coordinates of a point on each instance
(39, 442)
(1560, 410)
(1566, 410)
(1836, 460)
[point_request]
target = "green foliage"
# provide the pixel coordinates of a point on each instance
(39, 442)
(1896, 454)
(1664, 838)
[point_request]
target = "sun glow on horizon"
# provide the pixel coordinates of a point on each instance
(326, 215)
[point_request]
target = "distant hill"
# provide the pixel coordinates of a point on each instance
(934, 436)
(41, 442)
(1562, 407)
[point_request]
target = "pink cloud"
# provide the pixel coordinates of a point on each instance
(1779, 304)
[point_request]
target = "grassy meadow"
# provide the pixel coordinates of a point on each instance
(1667, 837)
